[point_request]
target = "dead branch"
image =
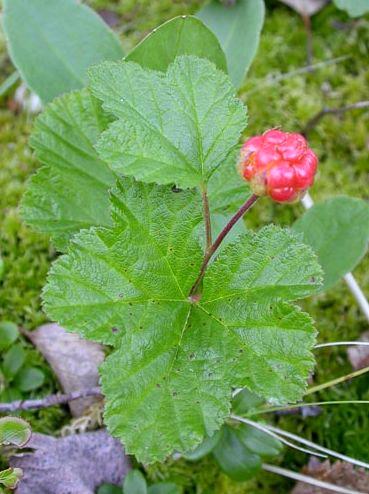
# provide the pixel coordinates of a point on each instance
(48, 401)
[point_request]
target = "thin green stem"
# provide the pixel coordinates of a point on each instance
(265, 429)
(9, 83)
(338, 380)
(342, 343)
(303, 405)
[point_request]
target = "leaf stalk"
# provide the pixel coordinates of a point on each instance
(207, 219)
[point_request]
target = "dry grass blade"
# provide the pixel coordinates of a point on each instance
(342, 343)
(310, 444)
(308, 480)
(265, 429)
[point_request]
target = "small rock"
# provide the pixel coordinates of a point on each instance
(75, 361)
(75, 464)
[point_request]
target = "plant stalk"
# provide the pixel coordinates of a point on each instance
(338, 380)
(309, 40)
(214, 247)
(207, 219)
(262, 411)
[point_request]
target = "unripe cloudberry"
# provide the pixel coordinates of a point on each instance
(278, 164)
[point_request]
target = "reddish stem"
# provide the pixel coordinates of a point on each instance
(214, 247)
(206, 209)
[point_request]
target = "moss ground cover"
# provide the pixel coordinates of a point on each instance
(288, 100)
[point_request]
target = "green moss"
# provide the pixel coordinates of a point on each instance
(205, 477)
(288, 100)
(26, 255)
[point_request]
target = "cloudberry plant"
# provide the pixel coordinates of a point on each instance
(187, 322)
(278, 164)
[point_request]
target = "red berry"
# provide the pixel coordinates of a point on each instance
(278, 164)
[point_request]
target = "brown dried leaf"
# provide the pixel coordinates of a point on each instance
(71, 465)
(359, 355)
(75, 361)
(340, 473)
(305, 7)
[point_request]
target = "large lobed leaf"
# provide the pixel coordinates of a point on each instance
(71, 191)
(176, 127)
(169, 380)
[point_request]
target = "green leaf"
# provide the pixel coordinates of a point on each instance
(338, 231)
(159, 225)
(134, 483)
(241, 450)
(164, 488)
(53, 43)
(259, 443)
(238, 29)
(10, 394)
(218, 222)
(10, 477)
(29, 378)
(227, 191)
(169, 381)
(8, 334)
(173, 128)
(71, 191)
(246, 401)
(234, 457)
(354, 8)
(204, 449)
(184, 35)
(109, 489)
(13, 360)
(1, 268)
(14, 431)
